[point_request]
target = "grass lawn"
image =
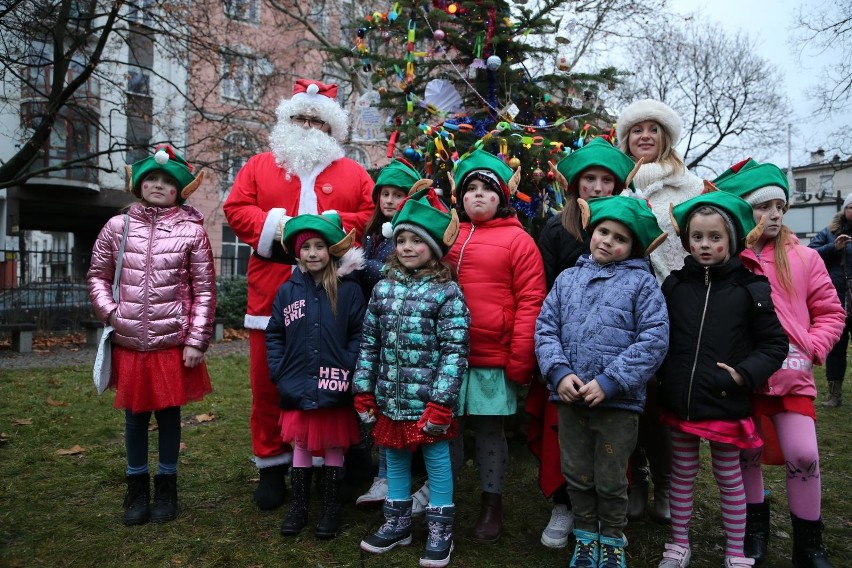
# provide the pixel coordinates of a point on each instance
(62, 484)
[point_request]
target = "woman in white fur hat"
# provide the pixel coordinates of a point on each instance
(649, 130)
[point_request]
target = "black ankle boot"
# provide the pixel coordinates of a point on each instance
(297, 516)
(272, 487)
(808, 551)
(165, 498)
(137, 500)
(329, 523)
(757, 531)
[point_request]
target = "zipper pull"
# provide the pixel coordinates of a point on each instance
(706, 275)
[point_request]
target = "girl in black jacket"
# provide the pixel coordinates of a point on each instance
(725, 341)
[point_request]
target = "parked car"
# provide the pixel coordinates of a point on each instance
(52, 306)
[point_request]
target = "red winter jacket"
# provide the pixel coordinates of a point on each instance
(167, 295)
(263, 192)
(501, 274)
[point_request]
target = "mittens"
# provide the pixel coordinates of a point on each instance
(366, 407)
(436, 419)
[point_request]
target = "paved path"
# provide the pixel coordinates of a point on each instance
(60, 356)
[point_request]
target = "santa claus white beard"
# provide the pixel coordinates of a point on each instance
(302, 150)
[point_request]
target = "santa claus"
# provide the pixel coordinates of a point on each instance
(305, 172)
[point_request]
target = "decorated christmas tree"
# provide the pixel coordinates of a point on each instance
(455, 76)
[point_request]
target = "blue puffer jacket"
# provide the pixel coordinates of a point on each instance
(312, 354)
(414, 345)
(608, 323)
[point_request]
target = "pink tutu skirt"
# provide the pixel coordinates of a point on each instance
(145, 381)
(320, 429)
(739, 433)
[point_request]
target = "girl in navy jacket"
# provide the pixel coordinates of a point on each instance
(312, 346)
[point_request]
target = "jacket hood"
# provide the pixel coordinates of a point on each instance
(839, 223)
(631, 263)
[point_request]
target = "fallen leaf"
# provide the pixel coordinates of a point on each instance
(4, 437)
(72, 451)
(182, 447)
(51, 402)
(205, 417)
(22, 421)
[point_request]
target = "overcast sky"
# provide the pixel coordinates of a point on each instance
(770, 24)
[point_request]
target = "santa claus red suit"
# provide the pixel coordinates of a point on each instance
(305, 172)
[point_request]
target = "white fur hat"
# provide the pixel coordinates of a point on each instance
(847, 201)
(649, 109)
(313, 98)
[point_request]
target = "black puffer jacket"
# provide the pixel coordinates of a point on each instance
(837, 262)
(718, 314)
(559, 249)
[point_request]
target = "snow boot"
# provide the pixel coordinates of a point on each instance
(297, 516)
(396, 530)
(439, 540)
(272, 487)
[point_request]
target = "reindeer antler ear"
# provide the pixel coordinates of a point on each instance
(585, 212)
(559, 177)
(192, 186)
(452, 232)
(420, 184)
(129, 171)
(672, 217)
(709, 187)
(515, 181)
(452, 187)
(755, 234)
(342, 247)
(633, 172)
(657, 242)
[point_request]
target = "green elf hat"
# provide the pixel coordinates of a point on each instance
(597, 153)
(754, 182)
(423, 215)
(398, 173)
(735, 212)
(634, 213)
(480, 162)
(167, 160)
(328, 226)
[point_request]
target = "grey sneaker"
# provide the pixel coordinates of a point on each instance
(420, 500)
(555, 534)
(675, 556)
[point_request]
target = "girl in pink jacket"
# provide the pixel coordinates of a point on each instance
(162, 320)
(811, 315)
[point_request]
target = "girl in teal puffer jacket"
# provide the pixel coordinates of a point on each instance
(414, 350)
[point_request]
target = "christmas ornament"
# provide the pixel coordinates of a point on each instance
(493, 63)
(439, 35)
(443, 96)
(514, 163)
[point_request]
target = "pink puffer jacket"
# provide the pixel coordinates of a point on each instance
(167, 293)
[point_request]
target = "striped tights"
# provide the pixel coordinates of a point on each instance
(726, 470)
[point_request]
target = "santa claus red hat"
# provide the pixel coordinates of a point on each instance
(316, 99)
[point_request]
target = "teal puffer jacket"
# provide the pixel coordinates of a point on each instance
(414, 345)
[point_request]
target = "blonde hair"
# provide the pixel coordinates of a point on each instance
(782, 259)
(668, 156)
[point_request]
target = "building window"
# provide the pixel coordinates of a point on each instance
(242, 76)
(243, 10)
(140, 103)
(235, 255)
(73, 140)
(801, 185)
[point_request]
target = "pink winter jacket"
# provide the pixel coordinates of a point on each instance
(167, 293)
(811, 316)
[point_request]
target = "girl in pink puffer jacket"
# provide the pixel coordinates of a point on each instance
(162, 321)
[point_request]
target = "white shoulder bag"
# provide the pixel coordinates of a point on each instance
(103, 360)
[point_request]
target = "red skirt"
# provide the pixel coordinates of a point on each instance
(146, 381)
(739, 433)
(543, 437)
(405, 434)
(320, 429)
(764, 407)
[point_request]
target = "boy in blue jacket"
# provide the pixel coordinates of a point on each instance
(602, 333)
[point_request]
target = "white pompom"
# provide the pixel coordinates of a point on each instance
(312, 89)
(387, 230)
(330, 211)
(161, 157)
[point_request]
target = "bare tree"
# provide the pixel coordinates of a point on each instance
(827, 29)
(73, 69)
(727, 95)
